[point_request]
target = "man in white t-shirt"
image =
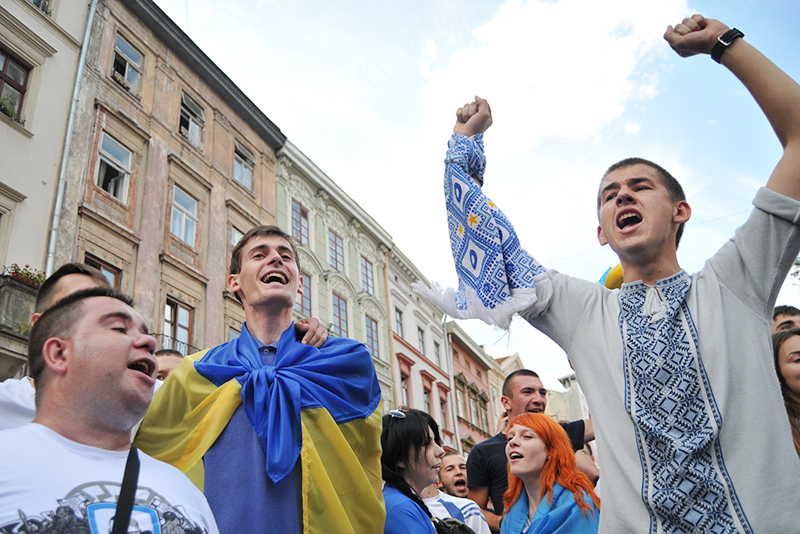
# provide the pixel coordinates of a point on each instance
(91, 357)
(16, 394)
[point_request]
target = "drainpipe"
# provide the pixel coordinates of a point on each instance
(452, 394)
(62, 173)
(392, 359)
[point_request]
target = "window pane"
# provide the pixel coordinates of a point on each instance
(177, 222)
(133, 78)
(247, 178)
(185, 201)
(11, 97)
(16, 72)
(116, 151)
(188, 230)
(2, 60)
(134, 56)
(183, 317)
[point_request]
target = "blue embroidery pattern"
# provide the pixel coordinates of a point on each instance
(485, 247)
(685, 483)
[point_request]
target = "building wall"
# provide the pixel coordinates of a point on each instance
(319, 207)
(137, 230)
(471, 366)
(421, 371)
(47, 45)
(497, 375)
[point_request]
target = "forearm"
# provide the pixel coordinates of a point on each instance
(778, 96)
(493, 520)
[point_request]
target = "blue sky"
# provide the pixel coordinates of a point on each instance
(368, 91)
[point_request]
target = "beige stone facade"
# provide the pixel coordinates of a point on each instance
(40, 44)
(471, 365)
(169, 165)
(421, 366)
(342, 254)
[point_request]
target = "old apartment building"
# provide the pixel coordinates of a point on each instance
(421, 366)
(40, 45)
(169, 164)
(342, 258)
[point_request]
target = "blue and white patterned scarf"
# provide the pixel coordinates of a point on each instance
(496, 277)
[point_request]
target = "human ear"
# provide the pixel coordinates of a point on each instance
(601, 236)
(681, 212)
(54, 353)
(506, 402)
(233, 283)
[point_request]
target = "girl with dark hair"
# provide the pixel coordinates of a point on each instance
(786, 353)
(546, 492)
(410, 462)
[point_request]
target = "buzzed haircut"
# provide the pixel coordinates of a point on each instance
(59, 321)
(168, 352)
(672, 185)
(784, 310)
(44, 298)
(510, 378)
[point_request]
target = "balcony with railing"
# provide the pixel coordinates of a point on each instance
(163, 341)
(43, 5)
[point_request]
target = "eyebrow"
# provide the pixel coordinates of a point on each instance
(785, 323)
(264, 246)
(125, 316)
(629, 182)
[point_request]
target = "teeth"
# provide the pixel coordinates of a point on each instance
(142, 366)
(274, 277)
(626, 216)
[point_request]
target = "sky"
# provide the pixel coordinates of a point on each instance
(368, 91)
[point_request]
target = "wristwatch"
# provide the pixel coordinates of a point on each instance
(723, 42)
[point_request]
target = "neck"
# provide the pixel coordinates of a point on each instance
(429, 491)
(86, 431)
(649, 272)
(267, 325)
(533, 487)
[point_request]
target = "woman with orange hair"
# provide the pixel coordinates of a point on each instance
(546, 492)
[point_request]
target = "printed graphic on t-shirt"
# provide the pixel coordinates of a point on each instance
(90, 508)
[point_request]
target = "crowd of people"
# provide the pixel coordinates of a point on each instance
(283, 429)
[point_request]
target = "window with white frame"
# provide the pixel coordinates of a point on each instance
(114, 168)
(236, 236)
(191, 123)
(372, 336)
(404, 389)
(437, 354)
(177, 326)
(184, 216)
(339, 325)
(13, 85)
(398, 322)
(335, 250)
(443, 412)
(299, 222)
(303, 302)
(243, 165)
(421, 340)
(127, 68)
(426, 399)
(366, 276)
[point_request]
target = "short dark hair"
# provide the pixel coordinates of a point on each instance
(59, 321)
(672, 185)
(44, 298)
(510, 378)
(784, 310)
(258, 231)
(168, 352)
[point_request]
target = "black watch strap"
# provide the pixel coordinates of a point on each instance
(723, 42)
